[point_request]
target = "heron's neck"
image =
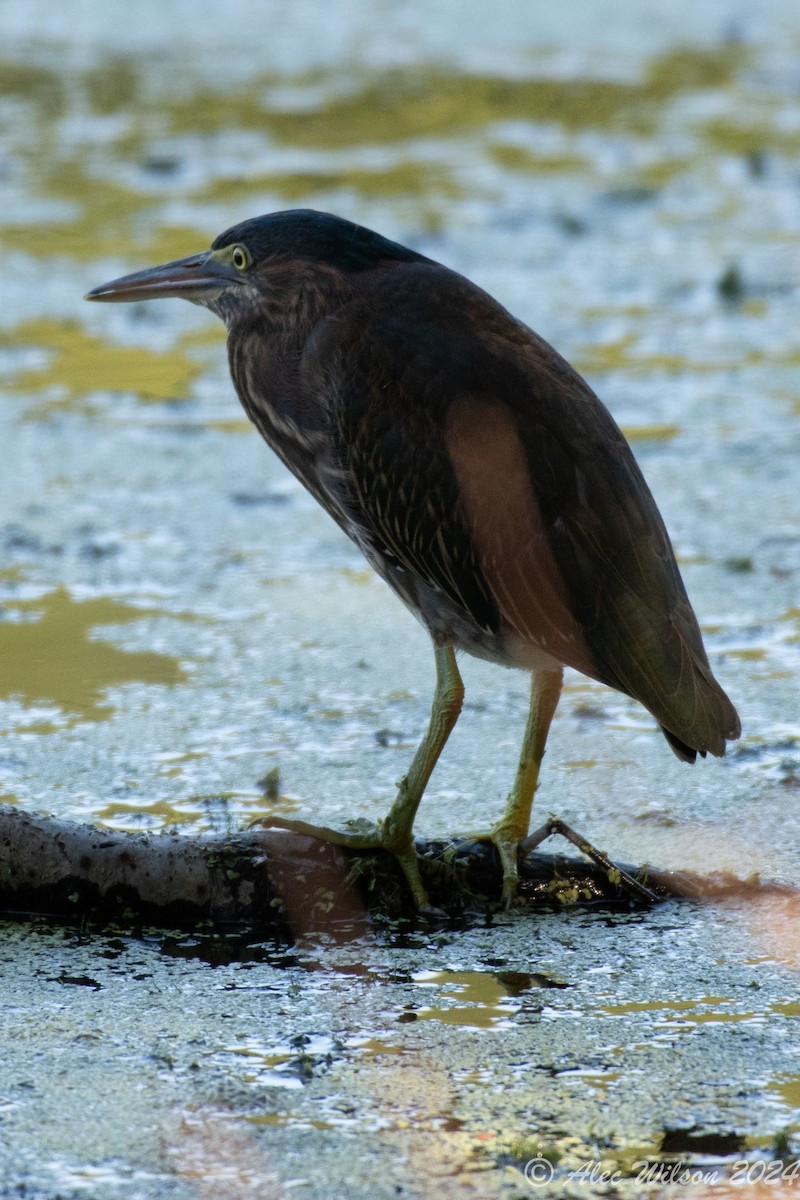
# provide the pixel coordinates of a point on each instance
(266, 343)
(286, 304)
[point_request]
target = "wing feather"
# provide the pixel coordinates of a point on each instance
(477, 459)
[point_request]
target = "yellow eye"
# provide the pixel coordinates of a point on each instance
(240, 257)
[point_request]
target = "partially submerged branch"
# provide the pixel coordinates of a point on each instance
(276, 880)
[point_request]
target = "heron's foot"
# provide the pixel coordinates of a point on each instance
(506, 838)
(365, 835)
(511, 844)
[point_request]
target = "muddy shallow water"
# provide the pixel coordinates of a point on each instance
(178, 619)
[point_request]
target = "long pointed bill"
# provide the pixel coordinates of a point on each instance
(199, 278)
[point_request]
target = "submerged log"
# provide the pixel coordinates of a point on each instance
(281, 882)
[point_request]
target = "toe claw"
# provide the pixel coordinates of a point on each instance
(432, 914)
(510, 885)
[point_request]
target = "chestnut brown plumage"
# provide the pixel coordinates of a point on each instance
(476, 470)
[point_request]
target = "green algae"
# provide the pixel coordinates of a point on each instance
(114, 85)
(53, 655)
(410, 177)
(110, 218)
(45, 88)
(657, 431)
(475, 999)
(160, 813)
(82, 363)
(747, 138)
(618, 355)
(431, 101)
(523, 159)
(327, 110)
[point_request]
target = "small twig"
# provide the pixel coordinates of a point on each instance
(555, 825)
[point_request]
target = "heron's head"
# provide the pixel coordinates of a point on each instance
(252, 261)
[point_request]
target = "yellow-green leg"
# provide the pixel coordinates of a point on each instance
(394, 832)
(512, 827)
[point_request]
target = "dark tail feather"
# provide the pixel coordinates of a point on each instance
(720, 723)
(684, 752)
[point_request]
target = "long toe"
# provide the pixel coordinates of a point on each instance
(409, 862)
(507, 846)
(364, 835)
(508, 861)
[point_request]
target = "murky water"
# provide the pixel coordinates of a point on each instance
(178, 619)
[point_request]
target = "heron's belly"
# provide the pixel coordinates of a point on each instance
(447, 621)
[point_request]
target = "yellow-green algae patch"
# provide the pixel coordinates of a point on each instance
(159, 812)
(593, 312)
(618, 355)
(230, 425)
(82, 363)
(114, 86)
(433, 101)
(480, 999)
(27, 82)
(102, 224)
(657, 174)
(735, 137)
(787, 1088)
(522, 158)
(172, 241)
(111, 219)
(200, 811)
(705, 1010)
(412, 177)
(51, 656)
(658, 431)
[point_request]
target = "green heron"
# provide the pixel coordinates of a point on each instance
(475, 469)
